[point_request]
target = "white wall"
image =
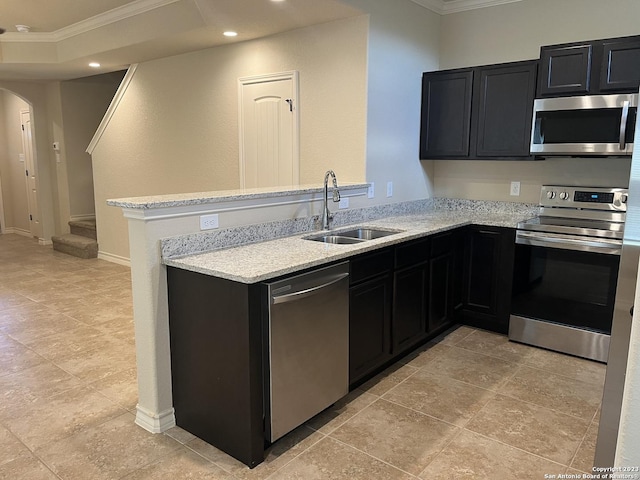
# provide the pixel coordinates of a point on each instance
(83, 104)
(403, 43)
(176, 128)
(515, 31)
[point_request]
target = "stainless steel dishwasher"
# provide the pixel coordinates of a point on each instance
(308, 335)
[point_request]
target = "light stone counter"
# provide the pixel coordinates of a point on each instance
(256, 262)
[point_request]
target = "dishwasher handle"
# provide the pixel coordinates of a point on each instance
(307, 292)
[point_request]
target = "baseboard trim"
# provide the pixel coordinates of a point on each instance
(44, 241)
(155, 423)
(18, 231)
(110, 257)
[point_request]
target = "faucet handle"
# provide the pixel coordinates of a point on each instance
(336, 195)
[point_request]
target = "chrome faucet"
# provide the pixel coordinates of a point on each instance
(327, 216)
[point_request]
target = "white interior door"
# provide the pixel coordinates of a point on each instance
(29, 164)
(269, 131)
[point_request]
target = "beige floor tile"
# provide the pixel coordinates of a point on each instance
(556, 392)
(441, 397)
(181, 464)
(538, 430)
(472, 456)
(10, 447)
(341, 411)
(15, 357)
(471, 367)
(277, 455)
(69, 342)
(455, 335)
(332, 460)
(402, 437)
(109, 450)
(20, 390)
(92, 365)
(425, 354)
(42, 324)
(26, 468)
(495, 345)
(385, 381)
(568, 366)
(46, 420)
(583, 459)
(121, 387)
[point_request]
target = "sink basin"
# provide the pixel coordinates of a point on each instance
(365, 233)
(335, 239)
(355, 235)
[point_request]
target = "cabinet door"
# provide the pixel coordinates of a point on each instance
(620, 69)
(488, 277)
(369, 326)
(410, 289)
(503, 109)
(446, 114)
(565, 70)
(440, 290)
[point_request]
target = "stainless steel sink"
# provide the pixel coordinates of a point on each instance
(354, 235)
(335, 239)
(366, 233)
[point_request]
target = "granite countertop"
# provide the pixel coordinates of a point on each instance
(265, 260)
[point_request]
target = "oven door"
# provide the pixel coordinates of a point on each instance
(566, 284)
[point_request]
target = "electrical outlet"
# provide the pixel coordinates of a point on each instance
(389, 189)
(515, 189)
(371, 191)
(344, 202)
(207, 222)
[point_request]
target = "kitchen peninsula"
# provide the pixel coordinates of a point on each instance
(261, 237)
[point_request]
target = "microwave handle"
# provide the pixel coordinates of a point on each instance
(623, 124)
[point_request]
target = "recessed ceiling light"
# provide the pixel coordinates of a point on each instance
(94, 65)
(230, 34)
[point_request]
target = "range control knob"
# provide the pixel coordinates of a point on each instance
(551, 195)
(564, 196)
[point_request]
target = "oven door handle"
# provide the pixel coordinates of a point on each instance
(565, 242)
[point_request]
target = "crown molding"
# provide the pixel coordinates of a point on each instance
(443, 7)
(117, 14)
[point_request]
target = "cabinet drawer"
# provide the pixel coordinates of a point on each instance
(370, 265)
(441, 243)
(412, 253)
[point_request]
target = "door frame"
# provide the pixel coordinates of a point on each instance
(36, 229)
(2, 220)
(292, 75)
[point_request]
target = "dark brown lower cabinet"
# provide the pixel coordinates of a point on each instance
(370, 295)
(216, 362)
(488, 277)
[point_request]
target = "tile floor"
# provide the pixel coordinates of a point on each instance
(471, 405)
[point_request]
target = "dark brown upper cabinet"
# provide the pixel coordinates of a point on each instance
(446, 113)
(478, 113)
(620, 70)
(590, 67)
(503, 109)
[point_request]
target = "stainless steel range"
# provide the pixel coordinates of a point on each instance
(566, 268)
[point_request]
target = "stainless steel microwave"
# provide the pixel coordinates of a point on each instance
(584, 126)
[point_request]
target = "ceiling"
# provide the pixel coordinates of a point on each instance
(66, 35)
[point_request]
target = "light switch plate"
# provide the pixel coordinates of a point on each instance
(344, 202)
(371, 191)
(389, 189)
(515, 189)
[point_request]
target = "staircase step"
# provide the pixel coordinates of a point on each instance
(76, 245)
(84, 228)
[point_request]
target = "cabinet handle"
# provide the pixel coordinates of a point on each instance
(623, 124)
